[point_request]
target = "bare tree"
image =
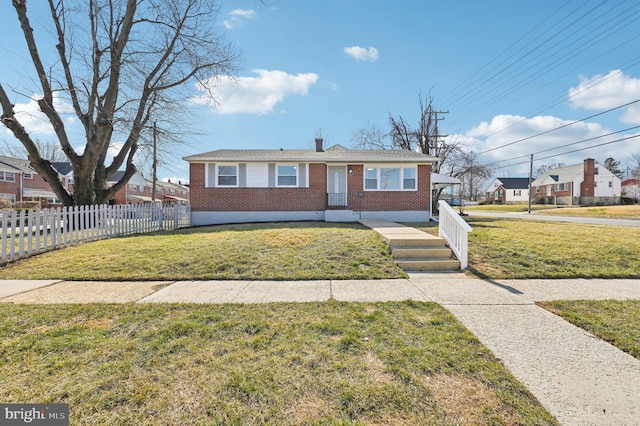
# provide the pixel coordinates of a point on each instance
(119, 64)
(49, 150)
(370, 137)
(543, 168)
(425, 137)
(635, 165)
(464, 165)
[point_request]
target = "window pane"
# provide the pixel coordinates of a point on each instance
(370, 184)
(287, 170)
(371, 173)
(286, 181)
(389, 178)
(409, 181)
(227, 180)
(226, 170)
(409, 184)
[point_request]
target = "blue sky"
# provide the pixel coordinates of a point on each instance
(505, 71)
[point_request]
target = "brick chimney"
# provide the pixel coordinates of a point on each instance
(319, 145)
(588, 184)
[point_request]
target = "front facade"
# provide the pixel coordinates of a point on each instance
(508, 191)
(337, 184)
(589, 183)
(22, 186)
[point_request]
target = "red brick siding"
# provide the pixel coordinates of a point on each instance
(313, 198)
(587, 187)
(388, 200)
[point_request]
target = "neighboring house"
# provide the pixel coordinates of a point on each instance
(506, 190)
(173, 193)
(65, 173)
(336, 184)
(20, 183)
(136, 191)
(631, 189)
(582, 184)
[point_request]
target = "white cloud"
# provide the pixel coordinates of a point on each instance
(34, 120)
(504, 129)
(238, 17)
(602, 92)
(362, 54)
(253, 95)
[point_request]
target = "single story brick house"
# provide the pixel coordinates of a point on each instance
(333, 185)
(508, 190)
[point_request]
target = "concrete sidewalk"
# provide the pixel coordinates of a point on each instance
(580, 379)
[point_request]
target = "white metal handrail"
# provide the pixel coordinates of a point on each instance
(455, 231)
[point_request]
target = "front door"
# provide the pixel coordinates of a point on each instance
(337, 186)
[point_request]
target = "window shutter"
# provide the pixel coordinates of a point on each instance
(272, 175)
(211, 175)
(302, 175)
(242, 175)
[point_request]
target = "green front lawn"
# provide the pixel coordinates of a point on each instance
(281, 364)
(282, 251)
(518, 248)
(616, 321)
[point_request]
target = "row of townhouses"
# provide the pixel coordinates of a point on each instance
(21, 185)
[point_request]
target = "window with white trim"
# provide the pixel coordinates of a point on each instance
(610, 184)
(390, 178)
(561, 186)
(227, 175)
(28, 175)
(287, 175)
(517, 192)
(409, 179)
(7, 177)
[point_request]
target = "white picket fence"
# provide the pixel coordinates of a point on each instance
(25, 233)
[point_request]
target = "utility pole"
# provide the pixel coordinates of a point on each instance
(530, 177)
(155, 163)
(437, 136)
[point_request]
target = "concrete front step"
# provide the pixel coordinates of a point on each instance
(418, 241)
(414, 253)
(429, 265)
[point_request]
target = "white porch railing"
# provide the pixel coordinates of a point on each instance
(25, 233)
(455, 231)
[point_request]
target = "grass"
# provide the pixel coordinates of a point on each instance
(284, 251)
(617, 212)
(516, 248)
(616, 321)
(285, 364)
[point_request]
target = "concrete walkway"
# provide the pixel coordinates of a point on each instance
(580, 379)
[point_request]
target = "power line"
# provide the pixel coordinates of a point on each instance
(560, 127)
(571, 152)
(569, 144)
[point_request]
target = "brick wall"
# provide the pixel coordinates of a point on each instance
(313, 198)
(388, 200)
(587, 187)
